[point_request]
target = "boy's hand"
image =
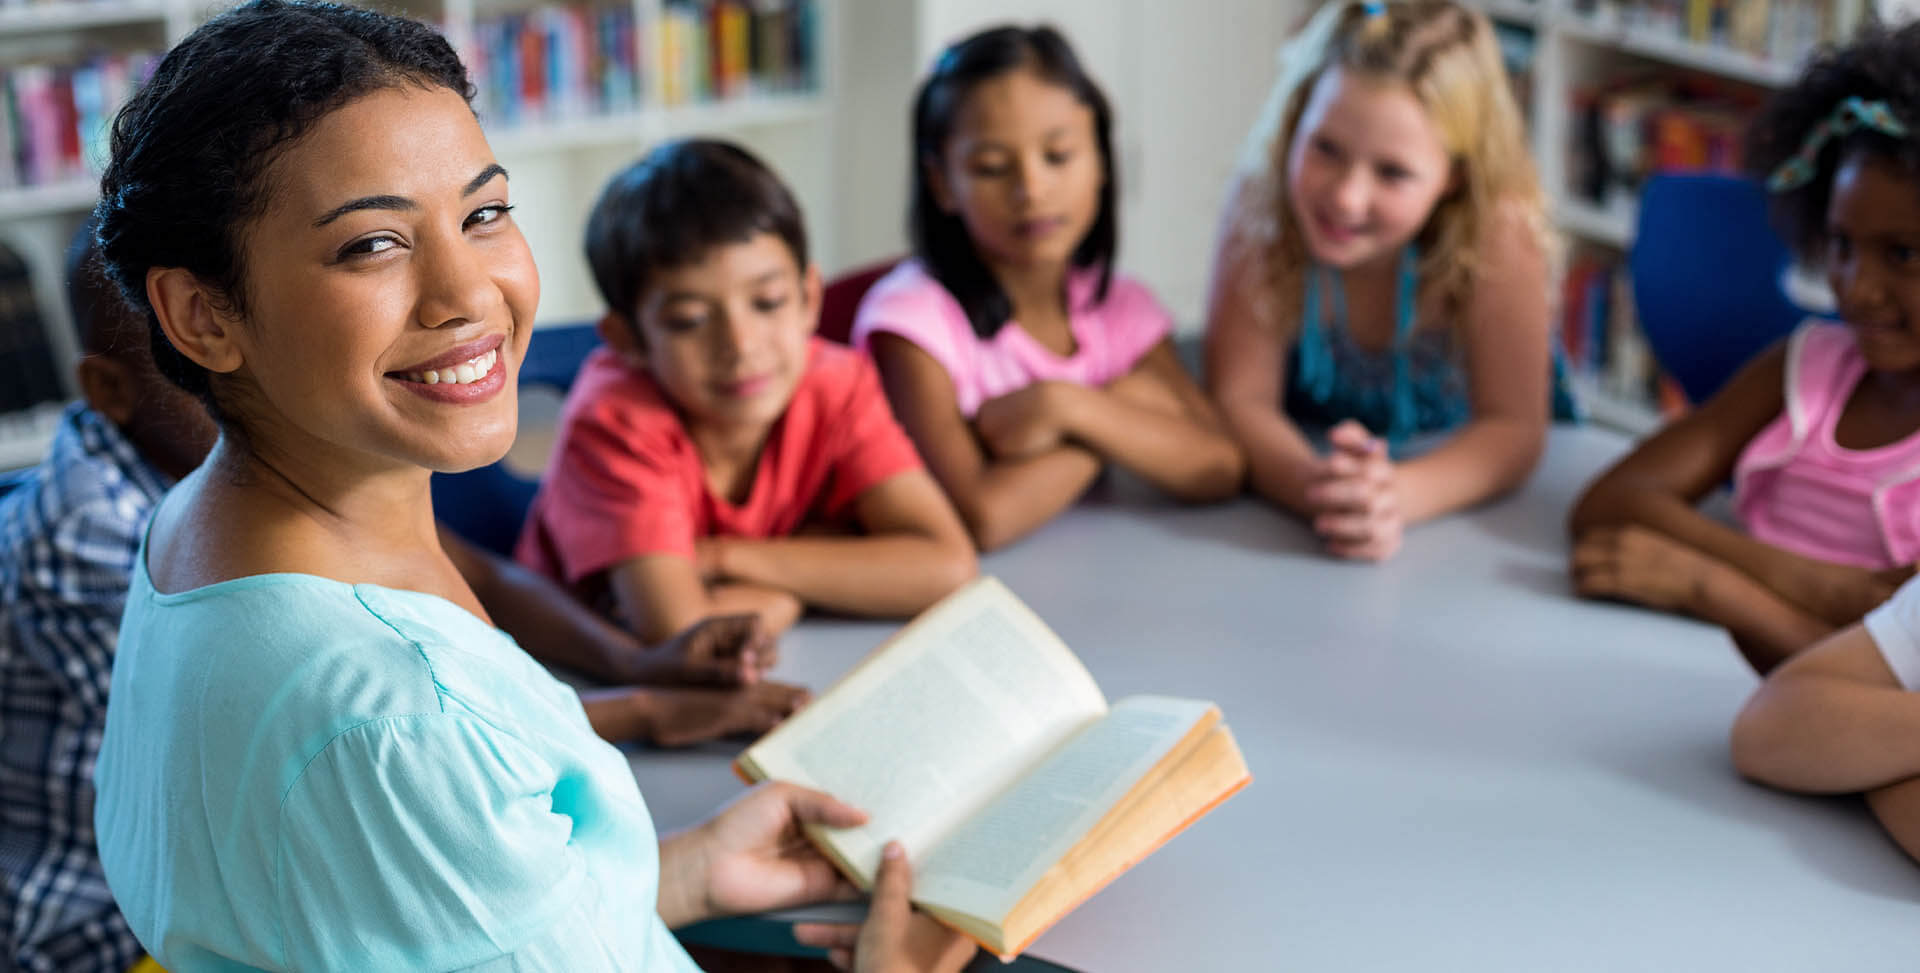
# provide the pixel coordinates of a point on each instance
(1355, 497)
(1026, 422)
(1642, 566)
(684, 717)
(725, 650)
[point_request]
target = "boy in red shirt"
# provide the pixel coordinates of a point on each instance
(715, 456)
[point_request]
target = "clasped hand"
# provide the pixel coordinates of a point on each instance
(1353, 496)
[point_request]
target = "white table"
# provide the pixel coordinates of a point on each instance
(1457, 765)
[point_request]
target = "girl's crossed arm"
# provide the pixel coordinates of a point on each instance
(1156, 422)
(998, 500)
(1658, 485)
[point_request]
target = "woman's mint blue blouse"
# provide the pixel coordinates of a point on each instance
(300, 774)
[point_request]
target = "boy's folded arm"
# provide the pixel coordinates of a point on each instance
(1157, 423)
(913, 551)
(1833, 719)
(663, 594)
(546, 620)
(998, 501)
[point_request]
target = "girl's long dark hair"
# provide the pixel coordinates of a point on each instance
(940, 238)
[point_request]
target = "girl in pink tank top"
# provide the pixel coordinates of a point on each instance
(1819, 435)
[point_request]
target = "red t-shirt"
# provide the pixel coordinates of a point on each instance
(626, 480)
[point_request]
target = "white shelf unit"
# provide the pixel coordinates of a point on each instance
(1578, 47)
(558, 166)
(34, 18)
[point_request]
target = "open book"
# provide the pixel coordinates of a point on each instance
(977, 739)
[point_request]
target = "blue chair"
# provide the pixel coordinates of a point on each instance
(487, 506)
(1707, 270)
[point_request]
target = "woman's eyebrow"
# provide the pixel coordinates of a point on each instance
(402, 203)
(486, 175)
(365, 203)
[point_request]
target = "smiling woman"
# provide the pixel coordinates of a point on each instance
(319, 752)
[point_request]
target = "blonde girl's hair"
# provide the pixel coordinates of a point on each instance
(1448, 56)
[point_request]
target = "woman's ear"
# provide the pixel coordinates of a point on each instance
(190, 315)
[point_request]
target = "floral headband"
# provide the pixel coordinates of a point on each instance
(1848, 117)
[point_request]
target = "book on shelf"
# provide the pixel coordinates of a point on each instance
(717, 49)
(976, 738)
(555, 63)
(567, 62)
(55, 115)
(1601, 337)
(1785, 31)
(1633, 127)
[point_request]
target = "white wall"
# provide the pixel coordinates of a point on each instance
(1185, 79)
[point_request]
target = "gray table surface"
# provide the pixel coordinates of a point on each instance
(1457, 765)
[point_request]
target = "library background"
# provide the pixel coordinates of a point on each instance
(1615, 91)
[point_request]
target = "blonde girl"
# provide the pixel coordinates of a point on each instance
(1378, 322)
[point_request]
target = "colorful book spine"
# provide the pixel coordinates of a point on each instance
(55, 118)
(582, 61)
(555, 63)
(1785, 31)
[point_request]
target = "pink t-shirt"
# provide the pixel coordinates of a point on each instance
(1796, 488)
(1110, 337)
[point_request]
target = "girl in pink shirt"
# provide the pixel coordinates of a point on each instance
(1820, 435)
(1014, 356)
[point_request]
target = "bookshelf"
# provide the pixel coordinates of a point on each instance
(1581, 50)
(592, 85)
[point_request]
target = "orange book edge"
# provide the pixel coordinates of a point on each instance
(1096, 887)
(1092, 890)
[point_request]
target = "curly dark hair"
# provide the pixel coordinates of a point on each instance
(1880, 64)
(192, 147)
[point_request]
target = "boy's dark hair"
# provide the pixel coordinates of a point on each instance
(940, 238)
(192, 146)
(1880, 64)
(102, 321)
(675, 205)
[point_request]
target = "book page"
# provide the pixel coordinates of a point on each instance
(985, 867)
(935, 722)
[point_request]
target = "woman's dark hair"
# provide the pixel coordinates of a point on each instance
(676, 204)
(1880, 64)
(192, 146)
(940, 238)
